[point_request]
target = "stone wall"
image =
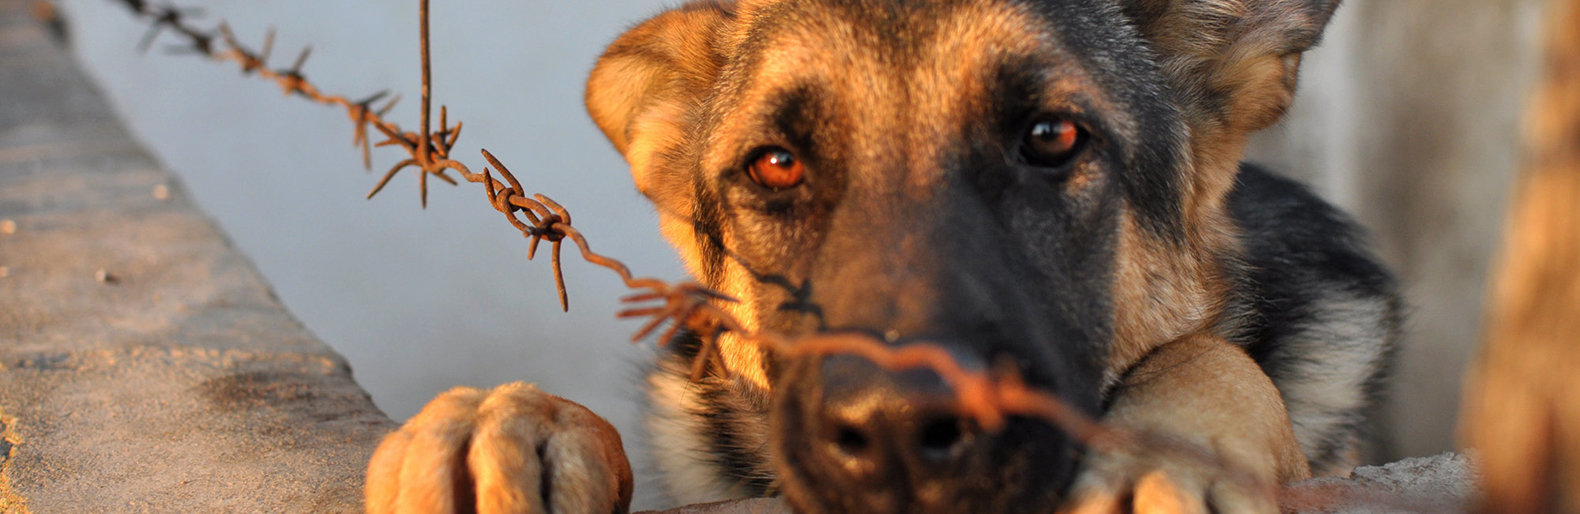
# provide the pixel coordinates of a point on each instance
(144, 364)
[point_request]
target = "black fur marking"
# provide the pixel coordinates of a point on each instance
(734, 414)
(709, 241)
(797, 114)
(545, 483)
(685, 346)
(731, 420)
(1124, 66)
(1302, 252)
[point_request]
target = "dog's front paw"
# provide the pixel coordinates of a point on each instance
(1168, 483)
(511, 449)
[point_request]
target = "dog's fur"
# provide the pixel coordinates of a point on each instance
(1151, 280)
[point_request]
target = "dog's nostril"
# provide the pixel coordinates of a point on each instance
(851, 441)
(941, 437)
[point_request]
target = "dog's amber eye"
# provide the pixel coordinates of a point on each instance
(1053, 143)
(777, 168)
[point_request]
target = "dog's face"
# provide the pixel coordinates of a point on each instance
(1026, 184)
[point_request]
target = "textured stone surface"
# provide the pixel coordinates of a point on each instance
(1443, 484)
(144, 364)
(1440, 484)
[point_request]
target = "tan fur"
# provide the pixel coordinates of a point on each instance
(1238, 74)
(1521, 411)
(643, 93)
(645, 90)
(1171, 298)
(1164, 295)
(488, 452)
(651, 101)
(429, 477)
(1207, 392)
(962, 53)
(1236, 62)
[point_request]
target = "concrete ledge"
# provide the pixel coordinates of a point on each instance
(144, 364)
(1443, 484)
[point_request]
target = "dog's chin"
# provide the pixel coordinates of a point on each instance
(1033, 482)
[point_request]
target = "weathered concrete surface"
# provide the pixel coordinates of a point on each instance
(144, 364)
(1443, 484)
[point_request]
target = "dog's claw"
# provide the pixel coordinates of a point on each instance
(1154, 492)
(1153, 484)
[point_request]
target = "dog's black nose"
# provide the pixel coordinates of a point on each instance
(878, 424)
(852, 436)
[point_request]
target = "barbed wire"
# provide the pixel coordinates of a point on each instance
(988, 396)
(539, 218)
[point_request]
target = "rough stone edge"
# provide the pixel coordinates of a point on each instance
(190, 381)
(9, 500)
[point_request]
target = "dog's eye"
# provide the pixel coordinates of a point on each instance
(1053, 142)
(776, 168)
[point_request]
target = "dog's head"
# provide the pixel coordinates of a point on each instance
(1028, 183)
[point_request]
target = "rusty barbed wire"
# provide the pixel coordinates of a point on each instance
(987, 396)
(539, 218)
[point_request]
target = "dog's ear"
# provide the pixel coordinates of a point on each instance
(1233, 66)
(1235, 61)
(1238, 57)
(648, 81)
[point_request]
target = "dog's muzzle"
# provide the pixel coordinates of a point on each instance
(854, 437)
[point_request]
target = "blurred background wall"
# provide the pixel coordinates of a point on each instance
(1408, 118)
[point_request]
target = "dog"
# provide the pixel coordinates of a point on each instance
(1055, 186)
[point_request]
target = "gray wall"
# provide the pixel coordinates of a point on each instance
(1410, 119)
(1407, 119)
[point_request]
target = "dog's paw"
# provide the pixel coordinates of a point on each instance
(511, 449)
(1149, 483)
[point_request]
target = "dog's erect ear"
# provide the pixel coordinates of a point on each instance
(1237, 57)
(1235, 61)
(1233, 65)
(648, 81)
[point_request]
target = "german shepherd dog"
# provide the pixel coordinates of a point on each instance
(1053, 184)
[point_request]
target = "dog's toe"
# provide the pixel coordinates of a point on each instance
(510, 449)
(1154, 484)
